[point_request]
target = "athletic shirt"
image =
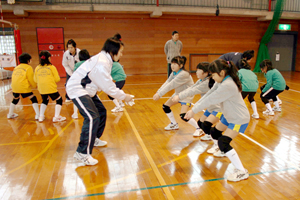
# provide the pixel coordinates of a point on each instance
(181, 81)
(117, 72)
(78, 64)
(22, 79)
(274, 80)
(46, 78)
(248, 79)
(69, 61)
(200, 87)
(172, 49)
(234, 57)
(230, 99)
(92, 76)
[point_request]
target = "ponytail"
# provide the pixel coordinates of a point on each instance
(230, 69)
(44, 58)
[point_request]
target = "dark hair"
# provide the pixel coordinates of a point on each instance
(44, 58)
(204, 66)
(180, 60)
(84, 55)
(24, 58)
(72, 42)
(248, 54)
(113, 45)
(230, 69)
(267, 63)
(243, 64)
(174, 32)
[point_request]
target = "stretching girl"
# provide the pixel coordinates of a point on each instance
(179, 80)
(236, 115)
(46, 77)
(200, 87)
(21, 84)
(249, 85)
(275, 85)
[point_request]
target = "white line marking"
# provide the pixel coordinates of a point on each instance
(272, 152)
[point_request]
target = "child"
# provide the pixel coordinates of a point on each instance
(200, 87)
(83, 56)
(46, 77)
(92, 76)
(119, 76)
(21, 83)
(235, 57)
(275, 85)
(249, 85)
(236, 115)
(178, 80)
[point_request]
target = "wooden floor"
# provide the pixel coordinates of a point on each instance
(141, 160)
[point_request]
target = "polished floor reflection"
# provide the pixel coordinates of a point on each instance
(142, 160)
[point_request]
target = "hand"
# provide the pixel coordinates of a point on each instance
(190, 114)
(175, 98)
(156, 97)
(128, 97)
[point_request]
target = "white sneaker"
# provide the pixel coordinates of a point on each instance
(117, 109)
(172, 126)
(58, 119)
(99, 143)
(279, 102)
(75, 116)
(267, 112)
(206, 137)
(68, 101)
(41, 118)
(85, 158)
(214, 149)
(255, 116)
(14, 115)
(238, 175)
(276, 109)
(219, 154)
(198, 132)
(36, 117)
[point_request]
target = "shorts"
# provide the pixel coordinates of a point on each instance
(236, 127)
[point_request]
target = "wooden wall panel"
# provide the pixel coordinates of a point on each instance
(145, 37)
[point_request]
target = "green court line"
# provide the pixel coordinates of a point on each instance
(162, 186)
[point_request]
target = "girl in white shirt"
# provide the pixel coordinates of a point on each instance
(179, 80)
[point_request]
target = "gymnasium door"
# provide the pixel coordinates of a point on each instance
(52, 40)
(282, 50)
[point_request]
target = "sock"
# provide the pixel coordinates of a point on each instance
(57, 110)
(193, 122)
(75, 109)
(11, 109)
(277, 98)
(276, 103)
(36, 109)
(171, 117)
(269, 107)
(235, 160)
(215, 142)
(42, 110)
(254, 108)
(120, 102)
(116, 102)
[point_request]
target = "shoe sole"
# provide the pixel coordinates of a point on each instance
(238, 180)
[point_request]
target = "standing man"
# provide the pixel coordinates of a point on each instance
(173, 48)
(70, 58)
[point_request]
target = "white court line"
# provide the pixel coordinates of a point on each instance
(268, 150)
(7, 92)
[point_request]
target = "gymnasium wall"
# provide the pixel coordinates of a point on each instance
(145, 37)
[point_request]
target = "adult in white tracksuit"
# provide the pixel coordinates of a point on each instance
(92, 76)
